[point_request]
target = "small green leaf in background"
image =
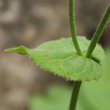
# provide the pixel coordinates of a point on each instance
(56, 98)
(61, 58)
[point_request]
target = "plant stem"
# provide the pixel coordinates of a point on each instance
(98, 33)
(77, 84)
(75, 93)
(72, 26)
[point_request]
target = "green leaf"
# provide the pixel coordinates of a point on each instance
(94, 95)
(56, 98)
(61, 58)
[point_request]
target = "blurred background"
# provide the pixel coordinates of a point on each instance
(30, 23)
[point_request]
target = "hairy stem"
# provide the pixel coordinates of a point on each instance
(72, 26)
(74, 97)
(98, 33)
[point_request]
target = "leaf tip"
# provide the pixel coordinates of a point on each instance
(20, 50)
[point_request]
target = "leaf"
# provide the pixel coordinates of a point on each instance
(61, 58)
(94, 95)
(56, 98)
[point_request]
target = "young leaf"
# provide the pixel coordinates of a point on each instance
(61, 58)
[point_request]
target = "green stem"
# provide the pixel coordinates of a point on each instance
(98, 33)
(74, 97)
(72, 27)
